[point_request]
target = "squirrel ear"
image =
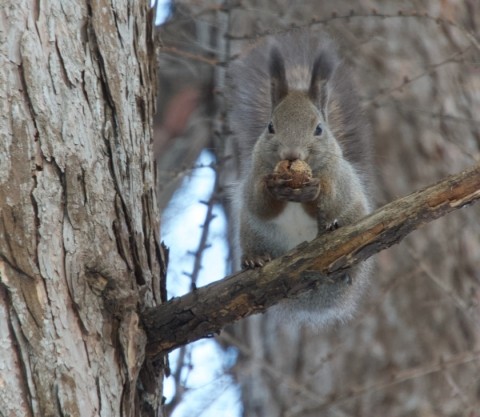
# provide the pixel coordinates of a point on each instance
(278, 78)
(322, 70)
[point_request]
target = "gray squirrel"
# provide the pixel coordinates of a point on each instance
(292, 99)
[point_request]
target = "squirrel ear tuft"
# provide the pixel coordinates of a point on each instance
(278, 78)
(323, 69)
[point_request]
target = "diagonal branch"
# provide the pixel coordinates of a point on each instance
(207, 310)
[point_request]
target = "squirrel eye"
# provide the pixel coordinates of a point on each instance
(318, 130)
(270, 128)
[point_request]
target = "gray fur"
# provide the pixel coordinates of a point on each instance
(249, 94)
(308, 84)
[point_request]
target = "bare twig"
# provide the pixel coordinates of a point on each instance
(203, 244)
(324, 402)
(407, 374)
(406, 80)
(179, 385)
(401, 14)
(185, 54)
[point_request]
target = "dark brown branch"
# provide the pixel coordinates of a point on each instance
(205, 311)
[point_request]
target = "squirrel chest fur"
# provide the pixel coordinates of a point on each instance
(295, 225)
(305, 155)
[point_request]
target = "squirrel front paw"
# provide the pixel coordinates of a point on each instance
(251, 262)
(280, 188)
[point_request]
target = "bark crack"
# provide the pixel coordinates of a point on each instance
(63, 68)
(27, 383)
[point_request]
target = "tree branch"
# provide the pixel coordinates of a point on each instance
(206, 311)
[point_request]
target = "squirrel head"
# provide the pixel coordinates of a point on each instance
(298, 128)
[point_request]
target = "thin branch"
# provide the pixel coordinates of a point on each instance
(203, 244)
(278, 375)
(316, 21)
(206, 311)
(407, 374)
(401, 14)
(395, 378)
(179, 386)
(406, 80)
(189, 55)
(459, 303)
(351, 392)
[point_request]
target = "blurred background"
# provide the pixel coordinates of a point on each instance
(414, 349)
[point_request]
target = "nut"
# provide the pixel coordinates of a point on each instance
(297, 172)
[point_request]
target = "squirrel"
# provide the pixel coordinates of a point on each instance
(293, 99)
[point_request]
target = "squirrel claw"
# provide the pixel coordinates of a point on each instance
(312, 181)
(334, 225)
(273, 181)
(281, 191)
(255, 262)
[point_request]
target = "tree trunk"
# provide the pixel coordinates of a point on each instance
(79, 251)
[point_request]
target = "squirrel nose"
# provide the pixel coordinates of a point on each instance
(291, 154)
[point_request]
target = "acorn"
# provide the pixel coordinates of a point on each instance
(297, 172)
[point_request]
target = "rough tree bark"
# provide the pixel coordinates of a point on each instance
(79, 254)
